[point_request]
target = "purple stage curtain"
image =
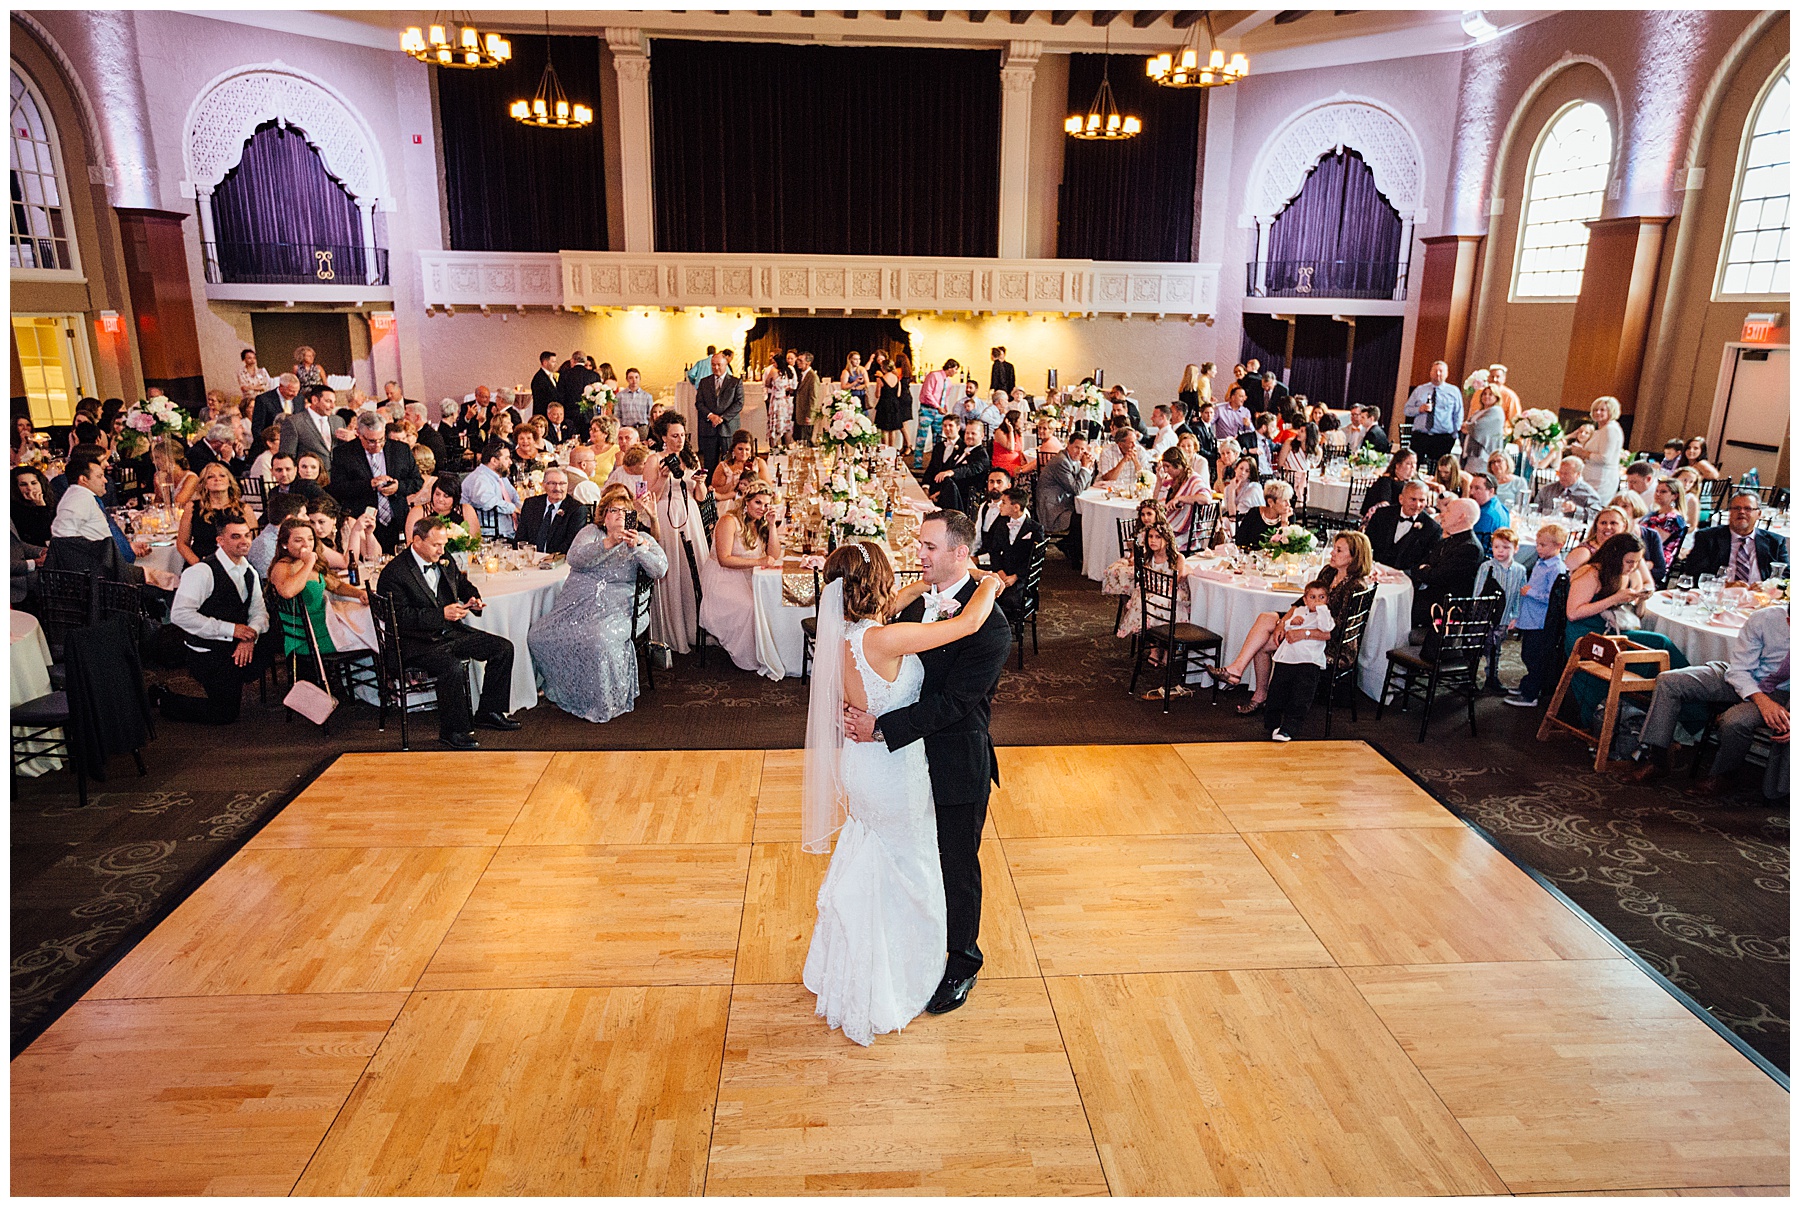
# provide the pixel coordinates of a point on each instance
(1265, 338)
(1318, 369)
(1342, 228)
(1375, 364)
(278, 207)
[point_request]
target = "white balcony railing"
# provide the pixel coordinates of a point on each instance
(819, 284)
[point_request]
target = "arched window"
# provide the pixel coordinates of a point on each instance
(40, 222)
(1563, 192)
(1755, 258)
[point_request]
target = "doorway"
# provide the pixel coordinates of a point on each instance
(51, 368)
(1337, 360)
(277, 334)
(829, 340)
(1750, 424)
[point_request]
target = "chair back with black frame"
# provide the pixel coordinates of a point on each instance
(65, 603)
(255, 494)
(1359, 491)
(489, 520)
(1711, 495)
(394, 679)
(1343, 651)
(1032, 586)
(809, 629)
(709, 514)
(1296, 479)
(122, 599)
(640, 625)
(905, 578)
(701, 636)
(1449, 661)
(1556, 615)
(1183, 645)
(1202, 527)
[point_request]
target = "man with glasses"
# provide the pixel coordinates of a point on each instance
(1738, 550)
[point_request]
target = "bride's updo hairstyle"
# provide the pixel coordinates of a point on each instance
(868, 579)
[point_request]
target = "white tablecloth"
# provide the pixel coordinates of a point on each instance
(31, 677)
(1327, 494)
(1700, 641)
(1100, 518)
(164, 557)
(1229, 609)
(780, 645)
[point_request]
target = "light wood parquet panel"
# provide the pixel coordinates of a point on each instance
(1276, 1082)
(575, 916)
(534, 1092)
(976, 1102)
(1316, 786)
(611, 796)
(1421, 896)
(778, 796)
(450, 799)
(1683, 1192)
(1584, 1075)
(188, 1096)
(1070, 791)
(325, 920)
(1155, 904)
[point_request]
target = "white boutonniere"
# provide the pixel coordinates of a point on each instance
(948, 607)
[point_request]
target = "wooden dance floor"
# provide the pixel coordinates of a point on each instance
(1212, 969)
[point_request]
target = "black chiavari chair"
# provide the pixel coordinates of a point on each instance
(1342, 652)
(640, 626)
(701, 636)
(1460, 628)
(1184, 646)
(1032, 586)
(809, 630)
(394, 679)
(1127, 548)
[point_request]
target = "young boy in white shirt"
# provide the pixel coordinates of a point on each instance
(1294, 678)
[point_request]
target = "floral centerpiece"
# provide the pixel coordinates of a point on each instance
(846, 428)
(1291, 541)
(599, 398)
(1474, 384)
(1146, 482)
(461, 544)
(1538, 427)
(1367, 456)
(855, 518)
(160, 417)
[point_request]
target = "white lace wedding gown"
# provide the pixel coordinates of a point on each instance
(878, 946)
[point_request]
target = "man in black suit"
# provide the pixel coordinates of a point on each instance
(576, 378)
(551, 520)
(218, 445)
(951, 716)
(432, 600)
(1008, 547)
(942, 452)
(372, 472)
(964, 469)
(1737, 549)
(271, 405)
(1252, 385)
(1401, 534)
(1449, 568)
(284, 478)
(1365, 428)
(557, 429)
(543, 384)
(719, 401)
(1004, 377)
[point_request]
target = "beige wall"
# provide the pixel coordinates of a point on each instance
(1145, 355)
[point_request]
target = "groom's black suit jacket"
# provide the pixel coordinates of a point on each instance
(952, 711)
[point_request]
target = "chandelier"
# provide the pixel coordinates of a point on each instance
(1186, 68)
(455, 43)
(550, 107)
(1103, 119)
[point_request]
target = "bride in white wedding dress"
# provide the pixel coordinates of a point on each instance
(877, 949)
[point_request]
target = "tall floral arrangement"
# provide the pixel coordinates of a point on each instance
(846, 428)
(599, 398)
(1538, 427)
(160, 417)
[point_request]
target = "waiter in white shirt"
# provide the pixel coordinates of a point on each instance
(219, 610)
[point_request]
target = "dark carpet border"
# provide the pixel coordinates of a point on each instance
(77, 988)
(1673, 990)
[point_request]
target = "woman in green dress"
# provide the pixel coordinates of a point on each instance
(1610, 580)
(297, 571)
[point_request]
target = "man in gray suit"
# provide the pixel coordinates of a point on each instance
(1060, 478)
(310, 430)
(720, 401)
(806, 400)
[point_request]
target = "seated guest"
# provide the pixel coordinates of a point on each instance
(218, 495)
(372, 471)
(1640, 479)
(966, 465)
(1656, 559)
(472, 424)
(1159, 554)
(1451, 564)
(275, 510)
(31, 511)
(308, 468)
(268, 443)
(1298, 663)
(82, 538)
(584, 476)
(1448, 480)
(1667, 516)
(550, 520)
(1121, 577)
(430, 436)
(298, 572)
(1240, 494)
(1737, 549)
(432, 601)
(528, 454)
(343, 539)
(1484, 492)
(1275, 513)
(602, 449)
(219, 610)
(556, 430)
(1181, 489)
(216, 446)
(1570, 494)
(1046, 445)
(1610, 522)
(948, 444)
(583, 646)
(1513, 490)
(487, 489)
(1671, 458)
(741, 543)
(999, 481)
(1062, 476)
(1009, 545)
(1123, 460)
(1604, 596)
(1350, 568)
(1753, 686)
(735, 469)
(1689, 478)
(446, 503)
(633, 470)
(425, 461)
(1401, 534)
(1387, 487)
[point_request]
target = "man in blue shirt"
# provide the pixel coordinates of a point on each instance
(1755, 685)
(1494, 515)
(1436, 409)
(486, 489)
(702, 367)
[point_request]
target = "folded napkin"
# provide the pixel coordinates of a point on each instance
(1730, 618)
(1217, 576)
(1255, 583)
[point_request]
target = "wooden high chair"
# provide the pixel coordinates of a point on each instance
(1610, 659)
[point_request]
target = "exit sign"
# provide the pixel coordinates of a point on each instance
(1764, 329)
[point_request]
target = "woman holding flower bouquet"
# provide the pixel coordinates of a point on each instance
(1350, 569)
(741, 544)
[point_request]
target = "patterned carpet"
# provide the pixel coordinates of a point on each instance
(1698, 888)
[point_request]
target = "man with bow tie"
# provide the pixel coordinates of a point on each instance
(432, 602)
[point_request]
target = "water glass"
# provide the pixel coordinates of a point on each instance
(1778, 571)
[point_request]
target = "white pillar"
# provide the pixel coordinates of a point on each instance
(370, 269)
(1406, 238)
(1262, 256)
(1018, 68)
(209, 247)
(631, 63)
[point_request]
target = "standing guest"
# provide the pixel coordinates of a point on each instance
(1569, 494)
(1672, 458)
(218, 495)
(1009, 545)
(472, 425)
(1754, 683)
(1534, 601)
(909, 407)
(432, 601)
(312, 429)
(298, 572)
(583, 646)
(1275, 394)
(1436, 409)
(1401, 534)
(1003, 377)
(701, 367)
(633, 403)
(1189, 389)
(394, 402)
(1298, 663)
(742, 543)
(306, 367)
(550, 520)
(890, 404)
(720, 402)
(445, 502)
(1669, 520)
(252, 378)
(1365, 428)
(1738, 549)
(1484, 493)
(806, 399)
(1484, 431)
(1061, 479)
(1233, 419)
(1206, 437)
(282, 399)
(1500, 570)
(674, 483)
(935, 402)
(607, 377)
(573, 381)
(776, 389)
(855, 379)
(1251, 381)
(543, 383)
(1510, 407)
(220, 612)
(488, 488)
(1599, 446)
(375, 472)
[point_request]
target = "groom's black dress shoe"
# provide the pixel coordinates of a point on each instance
(950, 994)
(495, 720)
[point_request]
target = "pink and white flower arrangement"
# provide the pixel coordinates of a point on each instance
(599, 398)
(160, 416)
(855, 517)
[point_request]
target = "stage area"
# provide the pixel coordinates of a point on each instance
(1212, 969)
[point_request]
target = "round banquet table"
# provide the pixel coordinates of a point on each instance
(164, 557)
(1230, 608)
(780, 643)
(1100, 518)
(1327, 494)
(1690, 629)
(31, 678)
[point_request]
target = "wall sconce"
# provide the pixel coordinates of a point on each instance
(110, 322)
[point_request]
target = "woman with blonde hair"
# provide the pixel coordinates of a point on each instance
(744, 541)
(1599, 445)
(218, 495)
(175, 482)
(306, 367)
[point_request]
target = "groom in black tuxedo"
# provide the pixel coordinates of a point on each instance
(951, 715)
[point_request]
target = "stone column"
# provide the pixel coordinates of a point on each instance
(1018, 68)
(631, 62)
(209, 245)
(371, 270)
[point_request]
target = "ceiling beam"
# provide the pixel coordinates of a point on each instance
(893, 14)
(1244, 25)
(1020, 16)
(1291, 15)
(977, 15)
(934, 14)
(1144, 20)
(1183, 18)
(1103, 16)
(1061, 16)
